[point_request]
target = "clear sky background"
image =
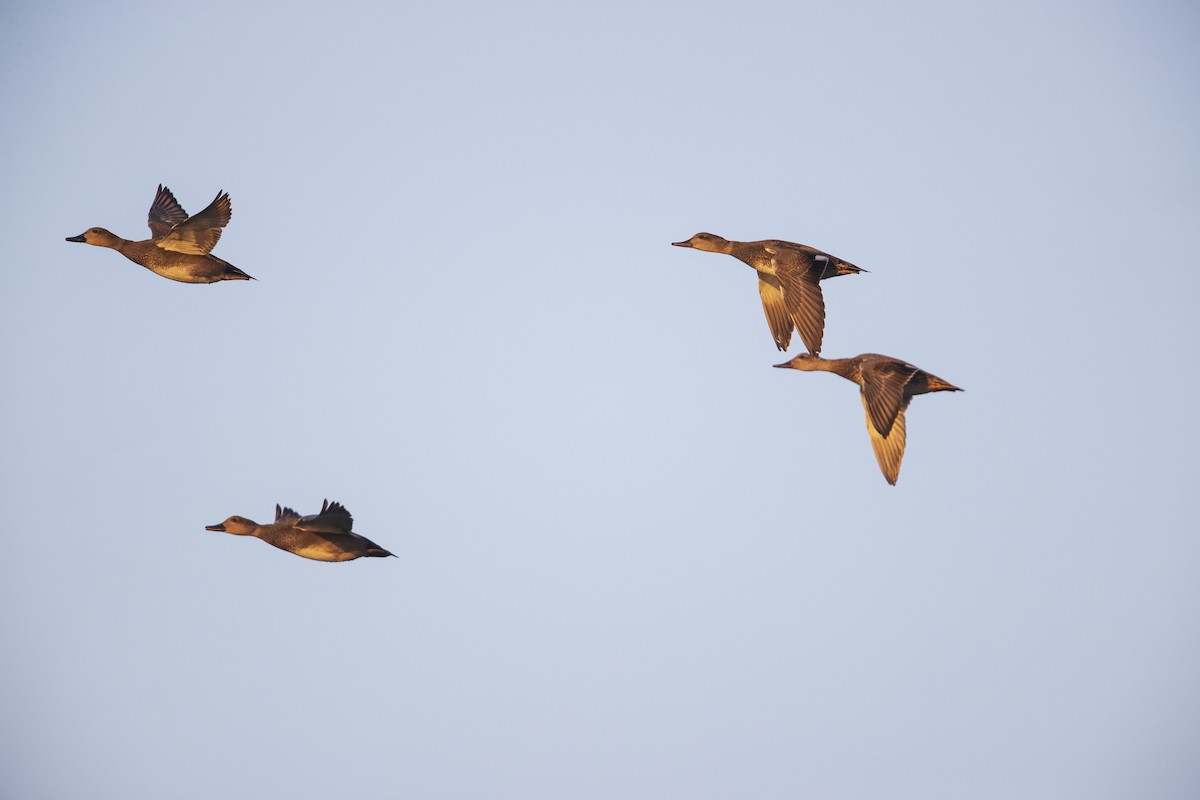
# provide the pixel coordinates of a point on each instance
(634, 560)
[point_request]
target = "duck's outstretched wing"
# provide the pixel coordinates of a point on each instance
(889, 448)
(778, 319)
(165, 213)
(334, 518)
(199, 234)
(883, 386)
(799, 276)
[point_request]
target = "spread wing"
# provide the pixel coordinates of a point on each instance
(165, 213)
(889, 448)
(199, 234)
(775, 309)
(883, 392)
(333, 519)
(799, 278)
(282, 513)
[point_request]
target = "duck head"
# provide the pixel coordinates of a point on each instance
(98, 237)
(238, 526)
(806, 362)
(706, 241)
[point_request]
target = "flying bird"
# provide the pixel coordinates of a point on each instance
(179, 246)
(888, 384)
(789, 276)
(325, 536)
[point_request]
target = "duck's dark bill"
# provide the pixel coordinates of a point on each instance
(78, 238)
(681, 244)
(220, 527)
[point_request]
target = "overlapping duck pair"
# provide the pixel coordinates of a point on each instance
(789, 277)
(180, 248)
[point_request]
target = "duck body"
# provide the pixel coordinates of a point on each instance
(325, 536)
(789, 276)
(770, 255)
(179, 246)
(182, 267)
(887, 386)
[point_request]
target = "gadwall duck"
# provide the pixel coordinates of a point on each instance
(888, 384)
(322, 537)
(179, 245)
(788, 282)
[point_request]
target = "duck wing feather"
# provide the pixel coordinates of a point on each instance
(199, 234)
(889, 447)
(334, 518)
(165, 213)
(883, 391)
(778, 319)
(799, 276)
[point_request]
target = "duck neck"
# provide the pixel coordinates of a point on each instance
(271, 533)
(742, 251)
(846, 367)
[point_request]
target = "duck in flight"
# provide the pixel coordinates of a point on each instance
(789, 276)
(179, 246)
(888, 384)
(325, 536)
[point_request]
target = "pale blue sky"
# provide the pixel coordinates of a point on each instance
(634, 560)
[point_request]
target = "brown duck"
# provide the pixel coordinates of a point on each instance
(179, 245)
(322, 537)
(789, 276)
(888, 384)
